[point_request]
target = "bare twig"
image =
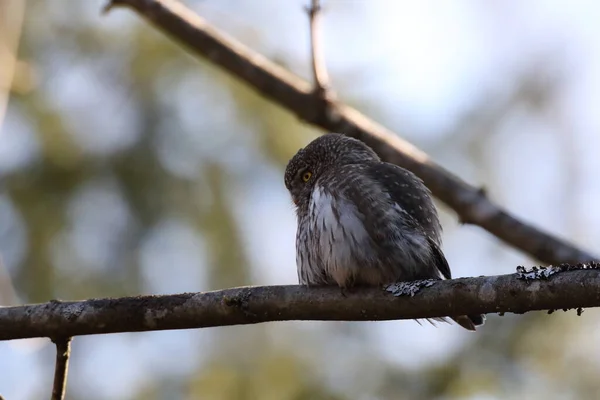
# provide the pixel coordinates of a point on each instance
(61, 369)
(516, 293)
(8, 295)
(295, 94)
(11, 23)
(322, 86)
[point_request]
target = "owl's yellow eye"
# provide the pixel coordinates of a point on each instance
(306, 176)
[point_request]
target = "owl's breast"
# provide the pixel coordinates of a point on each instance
(336, 241)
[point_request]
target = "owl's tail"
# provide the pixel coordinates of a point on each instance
(470, 322)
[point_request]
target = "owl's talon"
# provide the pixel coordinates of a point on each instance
(346, 290)
(409, 288)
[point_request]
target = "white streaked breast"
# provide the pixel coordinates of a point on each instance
(341, 233)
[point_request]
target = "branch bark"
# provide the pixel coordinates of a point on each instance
(297, 95)
(11, 24)
(322, 86)
(61, 369)
(516, 293)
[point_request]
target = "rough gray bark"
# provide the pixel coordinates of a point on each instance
(548, 289)
(61, 368)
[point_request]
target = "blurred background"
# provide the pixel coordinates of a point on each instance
(129, 167)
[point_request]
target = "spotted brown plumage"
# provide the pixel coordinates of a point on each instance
(361, 221)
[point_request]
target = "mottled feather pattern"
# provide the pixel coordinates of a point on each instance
(330, 247)
(362, 221)
(362, 234)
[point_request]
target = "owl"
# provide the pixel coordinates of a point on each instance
(361, 221)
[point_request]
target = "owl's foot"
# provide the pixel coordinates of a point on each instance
(409, 288)
(346, 290)
(240, 302)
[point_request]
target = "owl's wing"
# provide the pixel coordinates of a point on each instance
(440, 259)
(410, 193)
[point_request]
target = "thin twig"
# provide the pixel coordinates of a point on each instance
(322, 86)
(295, 94)
(61, 369)
(8, 295)
(11, 25)
(516, 293)
(111, 4)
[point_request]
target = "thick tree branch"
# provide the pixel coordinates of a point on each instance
(295, 94)
(61, 369)
(516, 293)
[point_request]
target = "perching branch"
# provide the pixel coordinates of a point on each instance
(295, 94)
(547, 289)
(63, 352)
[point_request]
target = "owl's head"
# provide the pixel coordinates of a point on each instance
(321, 156)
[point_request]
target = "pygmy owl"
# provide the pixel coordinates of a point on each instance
(361, 221)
